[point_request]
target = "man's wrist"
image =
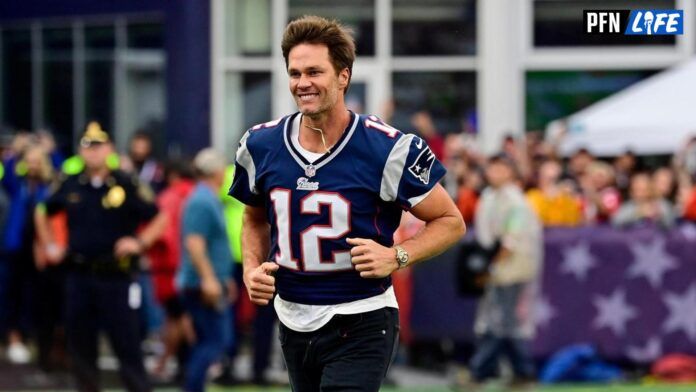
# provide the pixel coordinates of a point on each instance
(401, 257)
(142, 244)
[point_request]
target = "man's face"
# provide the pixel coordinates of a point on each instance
(498, 174)
(314, 84)
(140, 149)
(95, 155)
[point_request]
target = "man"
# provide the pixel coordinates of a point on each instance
(104, 210)
(205, 276)
(141, 161)
(332, 184)
(503, 216)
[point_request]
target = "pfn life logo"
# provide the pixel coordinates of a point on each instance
(656, 22)
(634, 22)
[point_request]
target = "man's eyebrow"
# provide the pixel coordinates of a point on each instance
(310, 68)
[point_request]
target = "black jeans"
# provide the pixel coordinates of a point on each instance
(95, 303)
(350, 353)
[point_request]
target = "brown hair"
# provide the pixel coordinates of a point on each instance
(313, 29)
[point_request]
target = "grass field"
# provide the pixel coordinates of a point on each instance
(491, 388)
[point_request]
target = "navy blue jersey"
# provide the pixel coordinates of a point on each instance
(358, 189)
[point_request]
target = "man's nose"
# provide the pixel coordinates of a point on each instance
(304, 81)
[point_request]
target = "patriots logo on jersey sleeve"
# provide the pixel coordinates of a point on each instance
(421, 167)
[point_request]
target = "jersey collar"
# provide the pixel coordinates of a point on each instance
(328, 156)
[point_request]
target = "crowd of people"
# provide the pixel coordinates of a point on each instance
(578, 190)
(581, 189)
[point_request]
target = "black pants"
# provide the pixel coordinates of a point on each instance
(49, 295)
(350, 353)
(94, 303)
(263, 339)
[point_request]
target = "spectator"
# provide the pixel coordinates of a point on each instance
(165, 255)
(624, 167)
(644, 206)
(205, 276)
(554, 204)
(665, 184)
(689, 202)
(578, 164)
(600, 198)
(504, 217)
(141, 161)
(425, 127)
(33, 172)
(516, 152)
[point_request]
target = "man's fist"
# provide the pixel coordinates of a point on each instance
(260, 283)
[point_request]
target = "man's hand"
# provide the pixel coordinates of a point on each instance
(211, 291)
(54, 253)
(260, 283)
(127, 246)
(371, 259)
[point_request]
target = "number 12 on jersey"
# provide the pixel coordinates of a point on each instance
(311, 236)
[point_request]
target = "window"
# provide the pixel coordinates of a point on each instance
(16, 78)
(437, 27)
(359, 15)
(558, 23)
(58, 84)
(99, 74)
(247, 103)
(555, 94)
(100, 37)
(449, 97)
(247, 27)
(148, 35)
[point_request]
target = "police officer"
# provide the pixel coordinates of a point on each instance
(104, 209)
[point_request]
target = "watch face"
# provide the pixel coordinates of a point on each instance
(402, 256)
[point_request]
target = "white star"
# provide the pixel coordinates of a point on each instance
(681, 312)
(651, 261)
(647, 354)
(543, 312)
(577, 260)
(688, 230)
(613, 312)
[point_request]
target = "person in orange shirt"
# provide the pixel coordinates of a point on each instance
(554, 203)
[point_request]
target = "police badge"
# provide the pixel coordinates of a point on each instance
(114, 198)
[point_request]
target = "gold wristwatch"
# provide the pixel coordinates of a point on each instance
(401, 256)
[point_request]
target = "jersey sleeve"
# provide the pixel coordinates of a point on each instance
(244, 186)
(410, 172)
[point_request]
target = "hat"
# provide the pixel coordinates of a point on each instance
(94, 134)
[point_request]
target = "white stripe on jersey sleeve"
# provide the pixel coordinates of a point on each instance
(417, 199)
(394, 168)
(245, 160)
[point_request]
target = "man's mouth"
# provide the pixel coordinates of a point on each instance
(307, 97)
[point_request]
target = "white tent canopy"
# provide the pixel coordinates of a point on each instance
(654, 116)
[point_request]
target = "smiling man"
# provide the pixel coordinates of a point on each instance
(324, 190)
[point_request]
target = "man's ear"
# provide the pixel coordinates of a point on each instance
(343, 78)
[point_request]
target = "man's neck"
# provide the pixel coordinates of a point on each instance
(332, 124)
(99, 173)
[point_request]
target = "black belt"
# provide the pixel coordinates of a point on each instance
(104, 264)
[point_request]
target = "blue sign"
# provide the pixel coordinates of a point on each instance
(655, 22)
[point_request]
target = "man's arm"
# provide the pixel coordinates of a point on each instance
(255, 245)
(44, 233)
(148, 235)
(444, 226)
(211, 289)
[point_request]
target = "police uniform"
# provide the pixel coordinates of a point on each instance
(102, 293)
